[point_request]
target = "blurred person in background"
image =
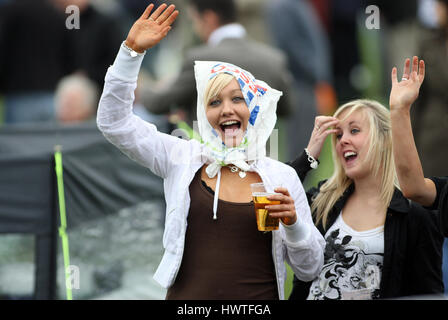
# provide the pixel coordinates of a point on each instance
(95, 42)
(430, 113)
(35, 54)
(226, 40)
(401, 29)
(251, 13)
(76, 99)
(298, 32)
(344, 43)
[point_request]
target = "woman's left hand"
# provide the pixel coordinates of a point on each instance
(286, 210)
(405, 92)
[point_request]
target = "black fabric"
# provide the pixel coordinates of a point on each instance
(441, 202)
(25, 195)
(412, 246)
(99, 180)
(36, 50)
(95, 43)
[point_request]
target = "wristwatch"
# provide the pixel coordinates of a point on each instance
(131, 52)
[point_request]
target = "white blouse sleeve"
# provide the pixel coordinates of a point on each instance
(304, 243)
(135, 137)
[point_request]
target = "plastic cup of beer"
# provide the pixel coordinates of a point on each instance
(260, 191)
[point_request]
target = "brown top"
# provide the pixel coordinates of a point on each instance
(227, 258)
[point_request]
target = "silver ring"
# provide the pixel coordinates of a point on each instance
(404, 79)
(151, 19)
(317, 127)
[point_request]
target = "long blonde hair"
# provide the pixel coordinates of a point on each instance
(379, 157)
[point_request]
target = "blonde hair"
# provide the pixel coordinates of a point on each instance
(379, 157)
(215, 86)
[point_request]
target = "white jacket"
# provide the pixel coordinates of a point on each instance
(177, 160)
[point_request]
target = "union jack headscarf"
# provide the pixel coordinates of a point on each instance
(261, 100)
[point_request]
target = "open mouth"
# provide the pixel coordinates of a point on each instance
(231, 127)
(350, 156)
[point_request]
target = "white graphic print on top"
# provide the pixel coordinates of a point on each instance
(353, 263)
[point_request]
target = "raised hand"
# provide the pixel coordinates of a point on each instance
(405, 92)
(149, 29)
(322, 128)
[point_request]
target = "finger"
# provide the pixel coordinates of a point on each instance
(276, 197)
(279, 208)
(414, 63)
(165, 14)
(280, 197)
(157, 12)
(324, 122)
(406, 68)
(147, 11)
(321, 120)
(322, 129)
(163, 33)
(332, 131)
(288, 217)
(171, 18)
(414, 76)
(393, 75)
(421, 71)
(281, 214)
(282, 190)
(166, 30)
(323, 135)
(325, 126)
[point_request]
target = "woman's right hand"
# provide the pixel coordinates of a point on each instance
(321, 130)
(149, 29)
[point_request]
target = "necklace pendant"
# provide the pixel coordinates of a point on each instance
(242, 174)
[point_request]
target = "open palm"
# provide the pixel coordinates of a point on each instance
(149, 29)
(405, 92)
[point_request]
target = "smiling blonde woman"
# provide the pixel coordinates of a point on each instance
(378, 244)
(213, 249)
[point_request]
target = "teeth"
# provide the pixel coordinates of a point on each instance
(228, 123)
(349, 153)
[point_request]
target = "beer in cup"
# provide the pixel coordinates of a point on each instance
(260, 191)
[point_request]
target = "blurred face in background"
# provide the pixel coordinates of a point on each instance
(441, 11)
(75, 99)
(73, 106)
(204, 23)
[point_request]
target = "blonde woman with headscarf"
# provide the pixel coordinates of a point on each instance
(213, 249)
